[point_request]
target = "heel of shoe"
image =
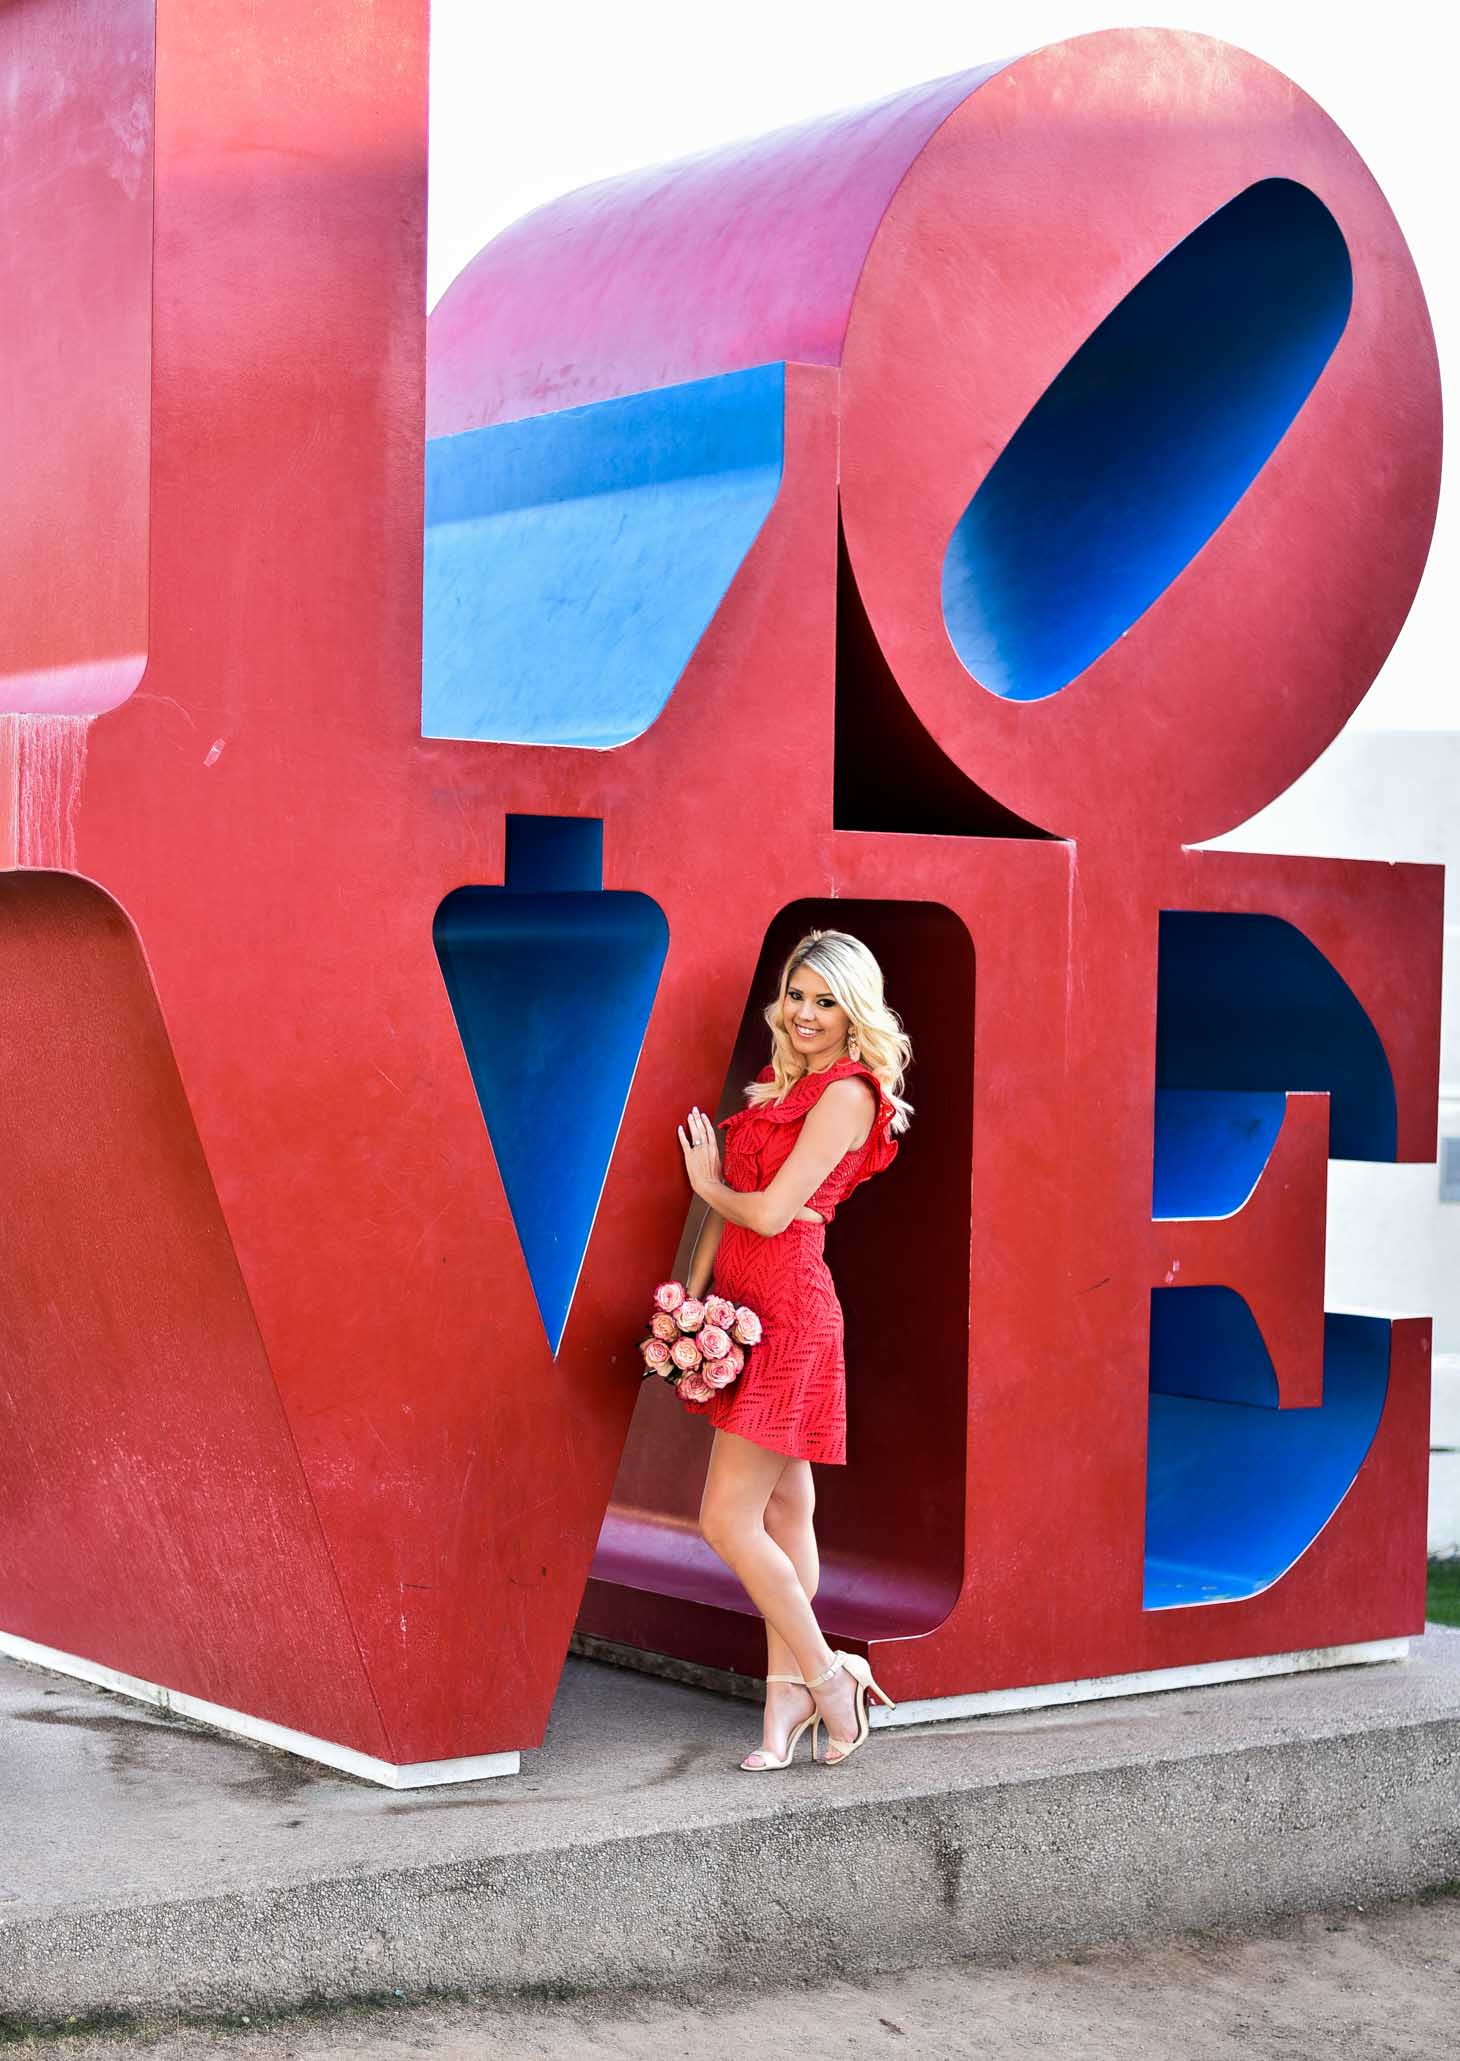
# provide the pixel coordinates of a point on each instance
(860, 1671)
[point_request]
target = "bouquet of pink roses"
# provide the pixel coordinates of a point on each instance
(697, 1346)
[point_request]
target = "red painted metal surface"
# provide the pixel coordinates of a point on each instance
(76, 171)
(1273, 1245)
(157, 1516)
(395, 1556)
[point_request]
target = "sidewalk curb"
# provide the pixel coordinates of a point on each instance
(1040, 1866)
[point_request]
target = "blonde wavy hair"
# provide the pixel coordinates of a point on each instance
(848, 971)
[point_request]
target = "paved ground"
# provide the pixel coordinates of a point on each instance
(92, 1780)
(1356, 1985)
(147, 1865)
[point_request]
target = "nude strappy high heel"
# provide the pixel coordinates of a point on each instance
(766, 1761)
(861, 1673)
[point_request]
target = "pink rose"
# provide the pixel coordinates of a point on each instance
(719, 1373)
(713, 1342)
(736, 1358)
(685, 1355)
(720, 1311)
(663, 1326)
(690, 1314)
(669, 1295)
(747, 1325)
(656, 1355)
(694, 1388)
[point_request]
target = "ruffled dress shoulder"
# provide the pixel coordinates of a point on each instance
(759, 1124)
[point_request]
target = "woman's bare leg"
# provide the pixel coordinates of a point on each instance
(788, 1520)
(741, 1480)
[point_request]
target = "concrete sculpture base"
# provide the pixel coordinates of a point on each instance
(241, 1724)
(1032, 1833)
(930, 1710)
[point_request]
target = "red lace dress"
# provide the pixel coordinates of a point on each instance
(792, 1397)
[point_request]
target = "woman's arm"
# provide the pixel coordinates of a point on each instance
(836, 1122)
(702, 1260)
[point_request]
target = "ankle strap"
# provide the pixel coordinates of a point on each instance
(797, 1679)
(818, 1681)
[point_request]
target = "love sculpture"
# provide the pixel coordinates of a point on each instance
(932, 521)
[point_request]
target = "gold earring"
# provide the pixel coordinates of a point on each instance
(854, 1050)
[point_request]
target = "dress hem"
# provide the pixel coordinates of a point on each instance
(816, 1459)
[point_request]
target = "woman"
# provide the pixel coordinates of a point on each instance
(822, 1117)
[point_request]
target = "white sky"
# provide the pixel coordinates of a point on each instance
(529, 102)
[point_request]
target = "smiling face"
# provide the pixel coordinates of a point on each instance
(814, 1020)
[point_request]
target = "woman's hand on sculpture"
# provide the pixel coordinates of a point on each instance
(701, 1151)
